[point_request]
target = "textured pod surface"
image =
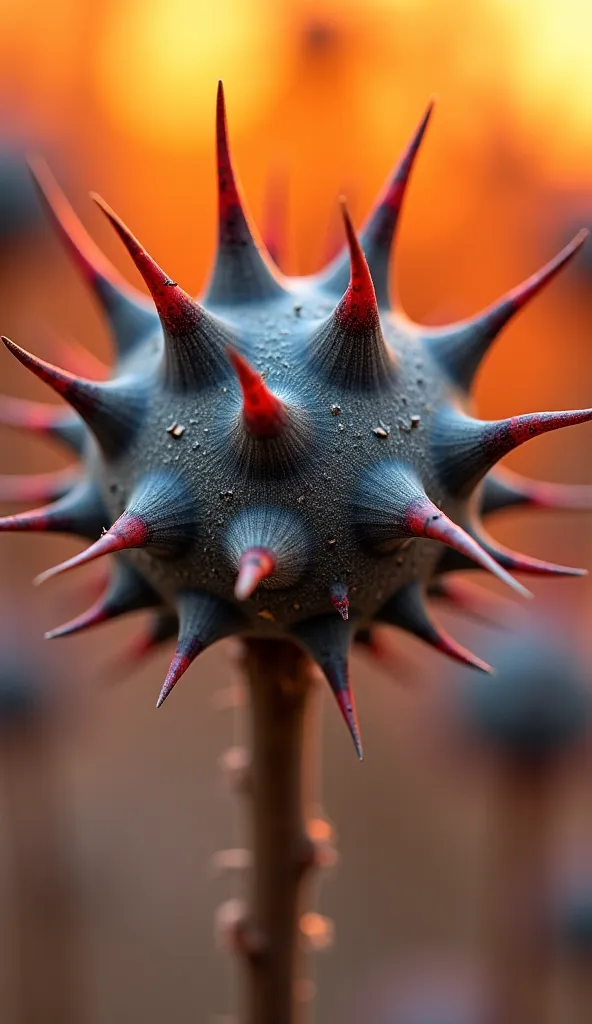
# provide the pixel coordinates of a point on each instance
(284, 457)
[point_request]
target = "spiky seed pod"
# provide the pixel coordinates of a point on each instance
(281, 448)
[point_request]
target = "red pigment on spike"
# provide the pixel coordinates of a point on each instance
(444, 643)
(264, 415)
(480, 604)
(358, 310)
(74, 389)
(34, 416)
(232, 220)
(538, 494)
(179, 666)
(394, 192)
(525, 563)
(522, 293)
(255, 565)
(39, 487)
(424, 519)
(502, 437)
(77, 241)
(128, 532)
(339, 599)
(177, 310)
(92, 617)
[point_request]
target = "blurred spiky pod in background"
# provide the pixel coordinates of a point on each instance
(289, 461)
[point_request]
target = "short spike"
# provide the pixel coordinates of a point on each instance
(407, 610)
(326, 639)
(38, 486)
(504, 489)
(131, 319)
(40, 418)
(476, 602)
(243, 271)
(378, 234)
(340, 600)
(264, 415)
(113, 410)
(194, 339)
(391, 505)
(160, 513)
(515, 562)
(460, 348)
(268, 545)
(465, 449)
(128, 592)
(255, 565)
(81, 512)
(203, 619)
(349, 348)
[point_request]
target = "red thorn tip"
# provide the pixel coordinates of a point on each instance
(424, 519)
(179, 666)
(87, 255)
(576, 497)
(345, 700)
(340, 601)
(93, 617)
(358, 307)
(255, 565)
(520, 295)
(264, 415)
(173, 305)
(128, 532)
(445, 643)
(228, 193)
(395, 190)
(60, 380)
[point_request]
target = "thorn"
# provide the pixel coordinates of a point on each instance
(346, 703)
(41, 418)
(255, 565)
(504, 489)
(128, 532)
(476, 602)
(264, 415)
(38, 487)
(339, 599)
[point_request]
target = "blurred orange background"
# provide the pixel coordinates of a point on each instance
(120, 98)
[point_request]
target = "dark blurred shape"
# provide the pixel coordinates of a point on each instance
(537, 705)
(20, 215)
(320, 36)
(427, 991)
(572, 916)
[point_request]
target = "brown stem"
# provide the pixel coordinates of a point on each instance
(519, 953)
(280, 682)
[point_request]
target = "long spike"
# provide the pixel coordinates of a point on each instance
(476, 602)
(407, 610)
(243, 271)
(38, 486)
(160, 512)
(113, 410)
(390, 505)
(504, 489)
(194, 339)
(129, 315)
(128, 532)
(128, 592)
(460, 348)
(378, 234)
(465, 449)
(516, 562)
(41, 418)
(80, 512)
(350, 348)
(326, 639)
(264, 415)
(203, 619)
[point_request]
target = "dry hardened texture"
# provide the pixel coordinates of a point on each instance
(287, 458)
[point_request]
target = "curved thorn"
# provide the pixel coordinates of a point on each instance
(129, 315)
(460, 348)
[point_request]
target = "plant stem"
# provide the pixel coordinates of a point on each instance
(281, 682)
